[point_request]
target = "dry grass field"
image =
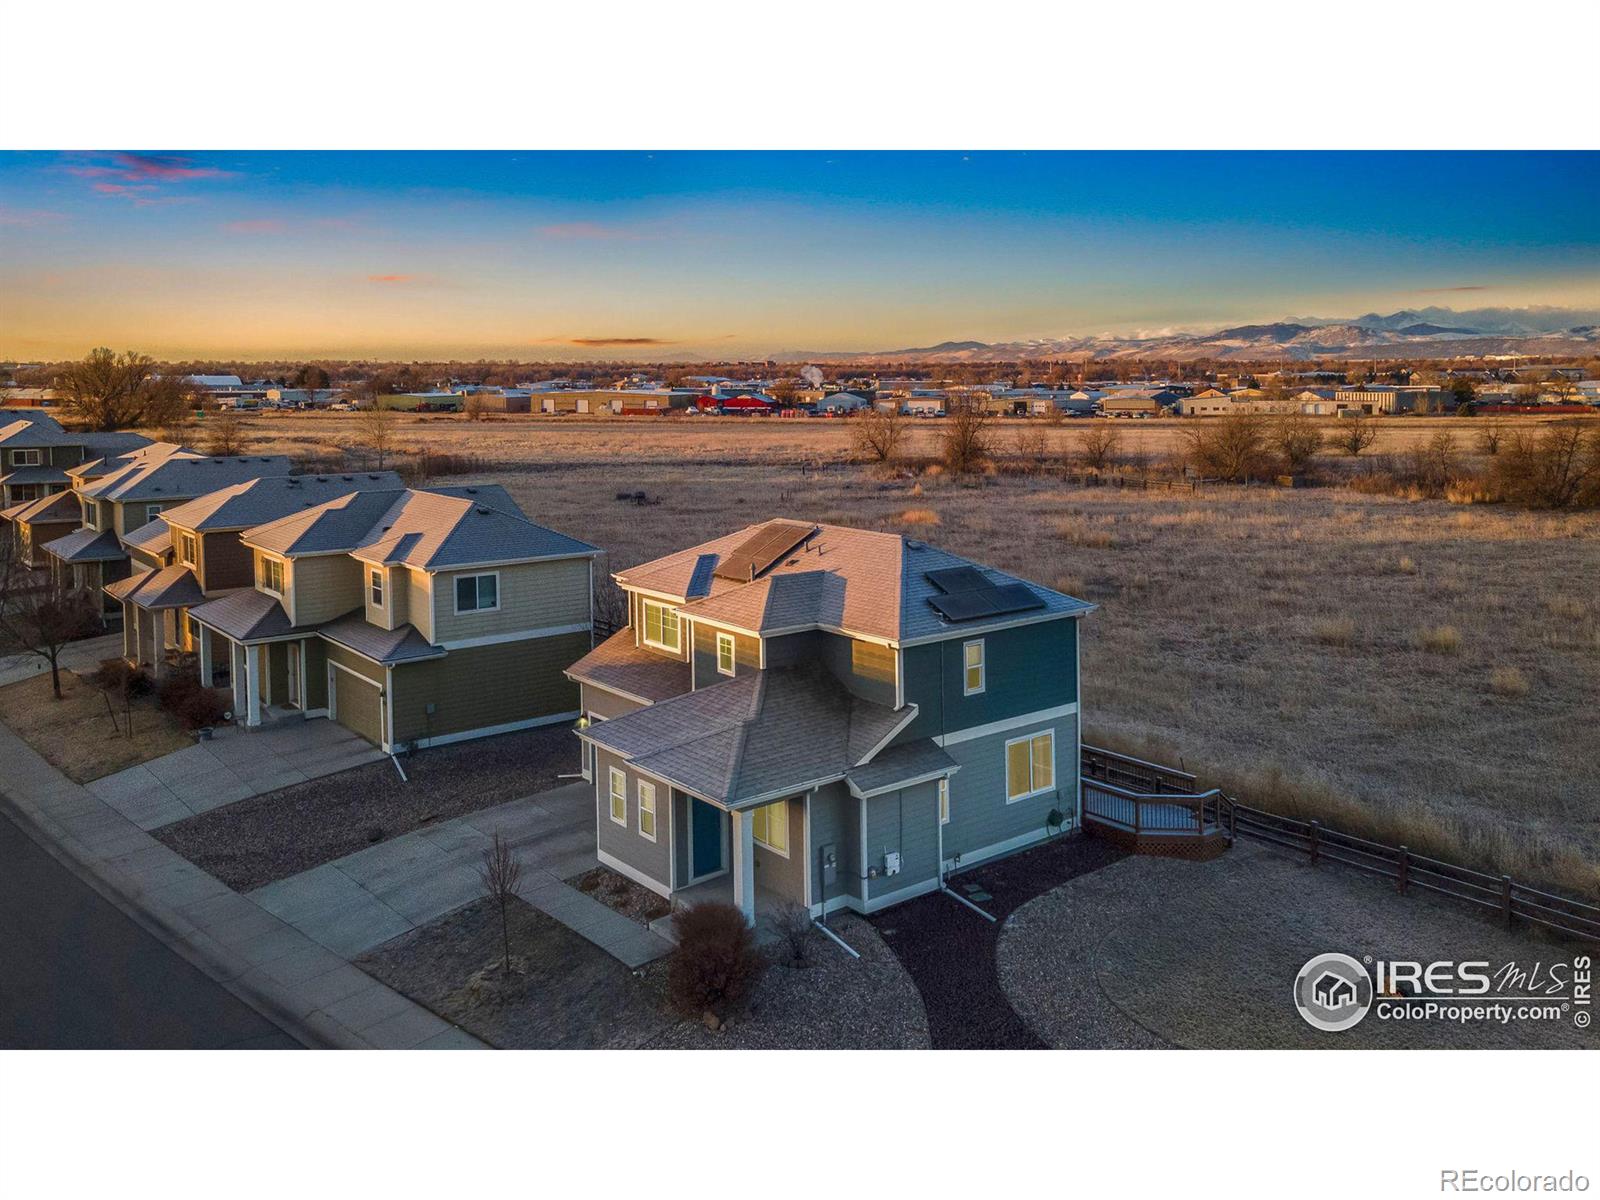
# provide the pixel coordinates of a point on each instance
(1428, 671)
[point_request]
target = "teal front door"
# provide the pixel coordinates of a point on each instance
(705, 838)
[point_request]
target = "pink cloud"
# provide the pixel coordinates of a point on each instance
(164, 166)
(140, 177)
(390, 278)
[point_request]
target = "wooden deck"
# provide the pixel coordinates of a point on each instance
(1149, 808)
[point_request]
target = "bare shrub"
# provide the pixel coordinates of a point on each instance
(716, 966)
(1355, 434)
(965, 445)
(501, 875)
(1558, 468)
(1231, 448)
(876, 433)
(1490, 435)
(225, 435)
(1509, 682)
(1295, 440)
(1335, 631)
(1032, 446)
(1080, 532)
(1432, 466)
(918, 516)
(792, 923)
(1439, 639)
(1407, 565)
(1098, 445)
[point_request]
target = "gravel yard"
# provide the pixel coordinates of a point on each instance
(950, 950)
(1160, 952)
(618, 892)
(282, 833)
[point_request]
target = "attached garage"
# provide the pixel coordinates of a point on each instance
(357, 703)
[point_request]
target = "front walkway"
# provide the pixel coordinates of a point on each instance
(360, 901)
(235, 764)
(82, 657)
(274, 967)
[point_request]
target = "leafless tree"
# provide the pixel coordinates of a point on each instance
(1098, 444)
(375, 432)
(225, 430)
(1355, 434)
(966, 435)
(1231, 448)
(472, 406)
(876, 433)
(1559, 468)
(501, 874)
(1296, 441)
(117, 391)
(1490, 435)
(42, 613)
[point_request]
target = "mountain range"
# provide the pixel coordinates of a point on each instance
(1410, 333)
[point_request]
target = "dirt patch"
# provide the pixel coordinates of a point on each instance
(76, 733)
(616, 891)
(949, 950)
(1161, 952)
(282, 833)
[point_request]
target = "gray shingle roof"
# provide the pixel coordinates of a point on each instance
(153, 537)
(386, 646)
(181, 477)
(18, 435)
(752, 737)
(59, 506)
(245, 616)
(337, 525)
(900, 765)
(859, 581)
(617, 665)
(87, 545)
(258, 501)
(169, 587)
(39, 474)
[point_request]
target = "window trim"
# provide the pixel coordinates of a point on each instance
(617, 789)
(151, 512)
(1054, 771)
(17, 459)
(982, 668)
(378, 582)
(944, 799)
(188, 539)
(455, 593)
(639, 786)
(644, 625)
(766, 845)
(727, 639)
(266, 561)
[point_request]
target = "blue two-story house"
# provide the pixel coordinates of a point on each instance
(831, 716)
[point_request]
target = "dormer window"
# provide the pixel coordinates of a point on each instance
(375, 587)
(270, 576)
(725, 654)
(188, 549)
(661, 626)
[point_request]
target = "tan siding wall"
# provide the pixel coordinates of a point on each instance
(786, 876)
(419, 602)
(532, 596)
(324, 586)
(487, 685)
(349, 658)
(374, 614)
(602, 703)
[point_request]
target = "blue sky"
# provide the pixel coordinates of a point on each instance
(552, 255)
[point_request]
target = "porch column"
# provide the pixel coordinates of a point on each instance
(744, 864)
(236, 676)
(206, 675)
(252, 684)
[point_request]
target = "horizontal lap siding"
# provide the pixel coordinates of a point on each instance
(979, 814)
(324, 587)
(836, 821)
(532, 596)
(865, 668)
(350, 659)
(746, 654)
(786, 876)
(906, 821)
(480, 686)
(1027, 669)
(600, 703)
(626, 843)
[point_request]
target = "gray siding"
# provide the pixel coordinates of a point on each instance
(746, 654)
(836, 821)
(865, 668)
(979, 814)
(626, 843)
(906, 821)
(600, 703)
(1029, 668)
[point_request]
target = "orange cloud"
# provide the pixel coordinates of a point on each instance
(390, 278)
(619, 341)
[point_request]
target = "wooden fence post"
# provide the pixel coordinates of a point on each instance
(1405, 868)
(1316, 829)
(1505, 898)
(1233, 822)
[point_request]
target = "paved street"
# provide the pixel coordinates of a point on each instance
(79, 974)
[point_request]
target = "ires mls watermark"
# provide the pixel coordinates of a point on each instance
(1335, 992)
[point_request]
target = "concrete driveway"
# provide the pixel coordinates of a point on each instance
(234, 765)
(364, 899)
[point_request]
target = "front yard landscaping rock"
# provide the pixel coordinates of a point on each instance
(618, 892)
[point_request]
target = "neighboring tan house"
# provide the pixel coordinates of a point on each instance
(414, 617)
(36, 455)
(133, 494)
(35, 522)
(192, 553)
(830, 716)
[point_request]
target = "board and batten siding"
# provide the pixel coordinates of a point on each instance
(539, 595)
(478, 687)
(1027, 668)
(648, 860)
(836, 821)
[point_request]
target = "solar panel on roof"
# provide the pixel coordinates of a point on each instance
(700, 581)
(760, 550)
(968, 595)
(957, 579)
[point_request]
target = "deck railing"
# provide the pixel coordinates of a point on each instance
(1134, 774)
(1193, 813)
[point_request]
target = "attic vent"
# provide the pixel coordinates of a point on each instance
(482, 511)
(347, 478)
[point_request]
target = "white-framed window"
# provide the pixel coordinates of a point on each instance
(661, 626)
(770, 825)
(618, 783)
(151, 512)
(725, 659)
(647, 809)
(478, 593)
(1030, 765)
(944, 800)
(270, 576)
(27, 458)
(188, 549)
(973, 677)
(375, 586)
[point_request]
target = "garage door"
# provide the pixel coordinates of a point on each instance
(358, 705)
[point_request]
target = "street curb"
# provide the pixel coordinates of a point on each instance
(220, 967)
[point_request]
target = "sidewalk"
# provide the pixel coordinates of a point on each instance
(362, 900)
(234, 765)
(82, 657)
(298, 984)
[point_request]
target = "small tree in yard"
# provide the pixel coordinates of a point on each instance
(1231, 448)
(966, 435)
(1355, 434)
(714, 971)
(1490, 435)
(375, 432)
(1296, 441)
(876, 433)
(42, 617)
(501, 874)
(1558, 468)
(1098, 445)
(225, 434)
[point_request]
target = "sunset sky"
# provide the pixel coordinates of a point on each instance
(726, 255)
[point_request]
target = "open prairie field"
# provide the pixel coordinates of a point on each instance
(1428, 669)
